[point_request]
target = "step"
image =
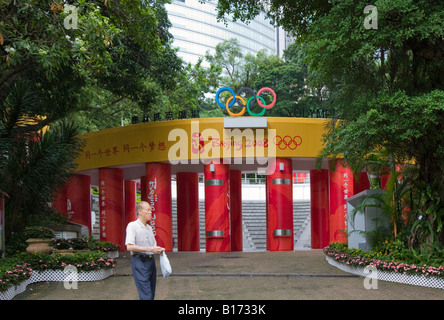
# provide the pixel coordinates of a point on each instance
(253, 222)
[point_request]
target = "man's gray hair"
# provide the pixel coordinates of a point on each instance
(139, 206)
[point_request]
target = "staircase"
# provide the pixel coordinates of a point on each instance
(95, 209)
(254, 224)
(254, 221)
(201, 223)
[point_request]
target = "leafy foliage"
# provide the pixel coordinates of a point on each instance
(33, 164)
(286, 77)
(117, 59)
(385, 85)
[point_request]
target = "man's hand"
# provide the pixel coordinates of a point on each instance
(134, 248)
(157, 250)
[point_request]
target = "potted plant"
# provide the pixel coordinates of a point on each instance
(62, 246)
(111, 249)
(70, 246)
(39, 239)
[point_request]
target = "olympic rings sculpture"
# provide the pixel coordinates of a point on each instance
(246, 106)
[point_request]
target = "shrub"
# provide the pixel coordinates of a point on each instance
(382, 261)
(12, 273)
(39, 232)
(103, 246)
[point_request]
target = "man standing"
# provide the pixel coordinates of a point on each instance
(141, 242)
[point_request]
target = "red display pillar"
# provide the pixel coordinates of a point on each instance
(341, 188)
(361, 184)
(217, 210)
(78, 200)
(280, 207)
(385, 178)
(188, 238)
(111, 203)
(236, 210)
(320, 209)
(130, 202)
(143, 194)
(158, 189)
(59, 201)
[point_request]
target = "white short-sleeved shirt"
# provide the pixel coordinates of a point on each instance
(140, 235)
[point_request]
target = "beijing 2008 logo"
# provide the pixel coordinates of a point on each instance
(255, 97)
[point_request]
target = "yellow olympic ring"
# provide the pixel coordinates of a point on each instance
(235, 114)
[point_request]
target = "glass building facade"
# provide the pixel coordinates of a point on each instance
(196, 30)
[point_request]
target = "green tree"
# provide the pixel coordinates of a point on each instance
(114, 58)
(386, 85)
(188, 93)
(33, 164)
(120, 51)
(286, 77)
(228, 57)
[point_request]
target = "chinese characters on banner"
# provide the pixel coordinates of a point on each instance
(346, 187)
(198, 144)
(69, 211)
(102, 198)
(341, 188)
(150, 146)
(152, 199)
(111, 205)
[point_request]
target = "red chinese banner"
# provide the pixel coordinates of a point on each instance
(341, 188)
(217, 208)
(236, 210)
(188, 237)
(320, 209)
(130, 201)
(111, 204)
(158, 190)
(280, 231)
(78, 195)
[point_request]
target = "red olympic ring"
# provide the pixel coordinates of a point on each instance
(266, 89)
(287, 141)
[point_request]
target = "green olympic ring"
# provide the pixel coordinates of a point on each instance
(260, 114)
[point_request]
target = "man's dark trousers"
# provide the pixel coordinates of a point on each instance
(144, 274)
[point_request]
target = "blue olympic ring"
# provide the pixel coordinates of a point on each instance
(231, 101)
(222, 90)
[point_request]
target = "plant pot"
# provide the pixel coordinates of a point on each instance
(64, 252)
(36, 245)
(112, 254)
(375, 181)
(68, 251)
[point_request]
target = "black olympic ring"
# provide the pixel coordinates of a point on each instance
(287, 141)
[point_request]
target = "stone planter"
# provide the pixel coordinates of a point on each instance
(36, 245)
(54, 275)
(112, 254)
(399, 277)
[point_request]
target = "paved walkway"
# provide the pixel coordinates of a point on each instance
(296, 275)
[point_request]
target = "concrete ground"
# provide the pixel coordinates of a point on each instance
(295, 275)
